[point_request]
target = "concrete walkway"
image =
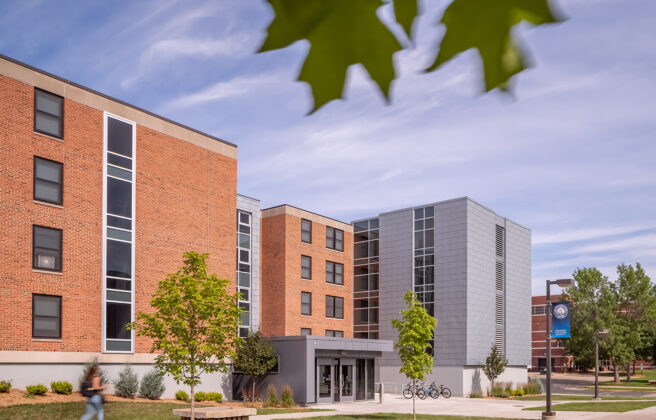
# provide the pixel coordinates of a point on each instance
(393, 403)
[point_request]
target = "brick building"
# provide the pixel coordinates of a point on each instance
(98, 201)
(560, 360)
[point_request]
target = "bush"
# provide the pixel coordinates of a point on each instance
(152, 386)
(61, 387)
(200, 396)
(534, 386)
(36, 389)
(5, 386)
(272, 396)
(181, 396)
(215, 396)
(104, 379)
(127, 384)
(501, 390)
(287, 397)
(519, 392)
(476, 394)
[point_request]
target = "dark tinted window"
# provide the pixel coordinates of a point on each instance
(334, 307)
(119, 259)
(306, 331)
(48, 112)
(119, 222)
(334, 238)
(306, 303)
(306, 231)
(47, 180)
(306, 267)
(119, 137)
(119, 197)
(118, 315)
(46, 316)
(47, 248)
(119, 161)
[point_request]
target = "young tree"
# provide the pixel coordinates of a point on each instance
(415, 328)
(495, 364)
(193, 325)
(256, 357)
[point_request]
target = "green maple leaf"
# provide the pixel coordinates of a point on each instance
(341, 33)
(405, 12)
(486, 25)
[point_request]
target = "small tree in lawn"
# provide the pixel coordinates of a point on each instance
(495, 364)
(256, 357)
(415, 328)
(194, 325)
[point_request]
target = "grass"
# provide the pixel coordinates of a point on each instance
(642, 381)
(266, 411)
(397, 416)
(610, 407)
(578, 398)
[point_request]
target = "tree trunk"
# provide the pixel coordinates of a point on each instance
(634, 367)
(414, 395)
(253, 393)
(192, 403)
(616, 373)
(628, 371)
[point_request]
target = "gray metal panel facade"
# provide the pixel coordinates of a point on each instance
(481, 264)
(252, 206)
(395, 273)
(518, 294)
(451, 282)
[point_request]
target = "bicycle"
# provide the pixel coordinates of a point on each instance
(442, 390)
(418, 389)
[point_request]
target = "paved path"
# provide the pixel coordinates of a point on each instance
(575, 384)
(458, 406)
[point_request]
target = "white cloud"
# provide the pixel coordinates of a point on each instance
(637, 244)
(541, 238)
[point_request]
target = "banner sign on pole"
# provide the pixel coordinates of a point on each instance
(560, 320)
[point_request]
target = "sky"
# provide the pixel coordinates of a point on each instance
(570, 154)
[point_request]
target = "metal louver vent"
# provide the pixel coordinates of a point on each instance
(499, 242)
(499, 310)
(499, 276)
(498, 341)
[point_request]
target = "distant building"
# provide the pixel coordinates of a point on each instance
(560, 360)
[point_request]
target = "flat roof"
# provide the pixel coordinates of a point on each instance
(284, 206)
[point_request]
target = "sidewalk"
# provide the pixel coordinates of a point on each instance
(393, 403)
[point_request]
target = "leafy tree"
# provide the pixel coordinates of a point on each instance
(495, 364)
(342, 33)
(256, 357)
(415, 328)
(193, 325)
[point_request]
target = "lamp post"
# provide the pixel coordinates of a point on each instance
(564, 283)
(597, 334)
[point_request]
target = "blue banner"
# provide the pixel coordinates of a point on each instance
(560, 320)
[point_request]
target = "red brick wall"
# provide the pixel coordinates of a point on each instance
(539, 338)
(185, 200)
(282, 284)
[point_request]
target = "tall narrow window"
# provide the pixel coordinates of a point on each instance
(46, 248)
(334, 238)
(48, 113)
(46, 316)
(334, 307)
(366, 237)
(334, 273)
(118, 215)
(47, 180)
(306, 303)
(424, 260)
(306, 267)
(244, 232)
(306, 231)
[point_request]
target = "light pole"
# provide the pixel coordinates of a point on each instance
(597, 334)
(564, 283)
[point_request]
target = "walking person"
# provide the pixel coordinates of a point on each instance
(91, 389)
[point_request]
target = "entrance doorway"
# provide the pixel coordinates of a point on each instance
(336, 379)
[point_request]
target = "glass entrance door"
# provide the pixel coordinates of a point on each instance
(347, 380)
(325, 381)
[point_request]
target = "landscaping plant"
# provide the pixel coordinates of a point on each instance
(215, 396)
(287, 397)
(495, 364)
(152, 385)
(181, 396)
(5, 386)
(36, 389)
(255, 358)
(61, 387)
(272, 396)
(127, 384)
(200, 396)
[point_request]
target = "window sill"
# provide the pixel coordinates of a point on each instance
(334, 284)
(48, 340)
(56, 273)
(48, 136)
(45, 203)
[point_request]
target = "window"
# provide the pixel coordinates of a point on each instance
(46, 248)
(334, 307)
(306, 303)
(48, 113)
(46, 316)
(306, 331)
(334, 273)
(306, 231)
(539, 310)
(244, 222)
(334, 333)
(47, 180)
(306, 267)
(334, 239)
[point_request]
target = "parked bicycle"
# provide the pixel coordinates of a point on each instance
(434, 391)
(417, 389)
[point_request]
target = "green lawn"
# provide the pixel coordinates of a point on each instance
(113, 410)
(611, 407)
(265, 411)
(395, 416)
(635, 382)
(578, 398)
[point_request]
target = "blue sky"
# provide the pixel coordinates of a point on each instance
(571, 157)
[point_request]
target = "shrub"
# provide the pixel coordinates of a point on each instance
(182, 396)
(476, 394)
(519, 392)
(36, 389)
(500, 390)
(287, 396)
(215, 396)
(200, 396)
(272, 396)
(104, 379)
(127, 384)
(534, 386)
(61, 387)
(5, 386)
(152, 386)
